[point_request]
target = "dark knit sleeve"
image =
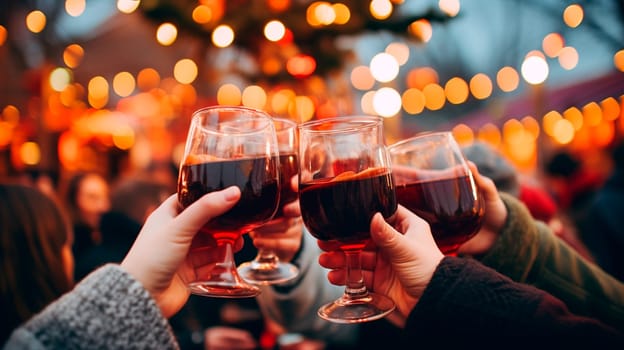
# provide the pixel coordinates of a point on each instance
(467, 298)
(106, 310)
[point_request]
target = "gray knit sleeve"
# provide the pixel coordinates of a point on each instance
(107, 310)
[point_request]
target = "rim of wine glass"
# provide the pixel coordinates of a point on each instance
(260, 113)
(351, 123)
(422, 135)
(291, 123)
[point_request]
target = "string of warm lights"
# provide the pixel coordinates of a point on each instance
(292, 79)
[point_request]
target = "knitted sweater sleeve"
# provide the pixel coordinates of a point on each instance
(469, 301)
(108, 309)
(528, 252)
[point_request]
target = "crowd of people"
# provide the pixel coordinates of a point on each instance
(94, 263)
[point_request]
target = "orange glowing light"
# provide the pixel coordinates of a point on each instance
(592, 114)
(420, 77)
(481, 86)
(456, 90)
(361, 78)
(490, 133)
(574, 116)
(301, 66)
(202, 14)
(434, 97)
(573, 15)
(603, 134)
(507, 79)
(552, 44)
(610, 108)
(618, 60)
(463, 134)
(413, 101)
(72, 55)
(421, 30)
(279, 5)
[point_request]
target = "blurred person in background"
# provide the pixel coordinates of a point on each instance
(542, 206)
(87, 199)
(36, 260)
(603, 227)
(132, 200)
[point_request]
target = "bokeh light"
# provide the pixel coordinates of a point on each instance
(387, 102)
(384, 67)
(573, 15)
(413, 101)
(450, 7)
(507, 79)
(60, 78)
(166, 34)
(128, 6)
(254, 96)
(124, 84)
(274, 30)
(552, 44)
(36, 21)
(568, 58)
(185, 71)
(361, 78)
(223, 36)
(456, 90)
(229, 94)
(381, 9)
(481, 86)
(534, 69)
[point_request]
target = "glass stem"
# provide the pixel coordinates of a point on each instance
(354, 287)
(265, 260)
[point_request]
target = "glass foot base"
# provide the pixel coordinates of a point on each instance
(370, 308)
(224, 290)
(273, 274)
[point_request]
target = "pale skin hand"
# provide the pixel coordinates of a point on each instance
(157, 255)
(493, 221)
(283, 235)
(399, 264)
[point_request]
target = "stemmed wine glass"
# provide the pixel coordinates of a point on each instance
(266, 268)
(344, 179)
(228, 146)
(433, 180)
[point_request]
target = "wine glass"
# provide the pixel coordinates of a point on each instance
(266, 268)
(228, 146)
(345, 178)
(433, 180)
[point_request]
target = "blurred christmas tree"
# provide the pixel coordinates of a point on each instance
(304, 38)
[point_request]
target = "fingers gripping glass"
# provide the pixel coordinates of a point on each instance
(433, 180)
(228, 146)
(344, 179)
(266, 268)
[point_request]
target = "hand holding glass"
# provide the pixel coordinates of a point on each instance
(344, 180)
(433, 180)
(266, 268)
(228, 146)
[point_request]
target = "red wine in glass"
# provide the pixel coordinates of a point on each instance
(448, 205)
(433, 180)
(227, 146)
(259, 192)
(289, 167)
(266, 268)
(341, 209)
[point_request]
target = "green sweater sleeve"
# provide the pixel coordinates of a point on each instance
(527, 251)
(108, 309)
